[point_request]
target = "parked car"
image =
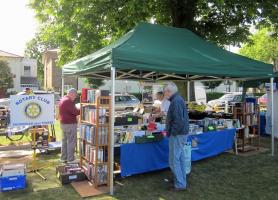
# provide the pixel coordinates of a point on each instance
(263, 100)
(126, 102)
(230, 98)
(5, 102)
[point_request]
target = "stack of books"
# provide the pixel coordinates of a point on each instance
(89, 114)
(102, 173)
(88, 133)
(250, 108)
(90, 95)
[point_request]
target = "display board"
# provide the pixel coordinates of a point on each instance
(32, 110)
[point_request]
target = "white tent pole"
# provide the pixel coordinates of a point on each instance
(188, 91)
(112, 111)
(63, 86)
(272, 116)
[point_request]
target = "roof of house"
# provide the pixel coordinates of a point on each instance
(7, 54)
(29, 80)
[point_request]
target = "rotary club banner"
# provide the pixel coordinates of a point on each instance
(32, 110)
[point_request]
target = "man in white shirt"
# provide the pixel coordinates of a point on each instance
(162, 105)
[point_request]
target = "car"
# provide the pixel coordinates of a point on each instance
(5, 102)
(230, 98)
(126, 102)
(219, 104)
(263, 99)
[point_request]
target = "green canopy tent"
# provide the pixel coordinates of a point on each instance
(153, 52)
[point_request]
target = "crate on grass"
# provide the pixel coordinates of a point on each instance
(12, 183)
(67, 176)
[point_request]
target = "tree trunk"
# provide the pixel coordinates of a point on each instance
(2, 93)
(183, 13)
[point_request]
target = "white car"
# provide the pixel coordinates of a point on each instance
(230, 98)
(125, 102)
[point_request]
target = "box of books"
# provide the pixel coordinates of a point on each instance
(70, 173)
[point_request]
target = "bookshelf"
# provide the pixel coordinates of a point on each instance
(248, 114)
(95, 133)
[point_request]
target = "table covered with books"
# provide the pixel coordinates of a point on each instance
(141, 158)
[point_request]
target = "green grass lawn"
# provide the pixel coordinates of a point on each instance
(224, 177)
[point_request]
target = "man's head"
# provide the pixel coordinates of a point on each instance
(170, 89)
(160, 96)
(72, 94)
(28, 91)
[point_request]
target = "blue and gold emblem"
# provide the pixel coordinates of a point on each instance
(33, 110)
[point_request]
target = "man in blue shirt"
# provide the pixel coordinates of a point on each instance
(177, 124)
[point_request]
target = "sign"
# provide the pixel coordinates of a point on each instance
(275, 86)
(32, 110)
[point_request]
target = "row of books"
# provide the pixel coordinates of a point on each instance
(249, 107)
(90, 133)
(90, 95)
(102, 173)
(89, 114)
(89, 153)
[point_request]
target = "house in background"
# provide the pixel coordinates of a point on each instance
(24, 71)
(53, 74)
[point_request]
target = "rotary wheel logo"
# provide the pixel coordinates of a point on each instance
(33, 110)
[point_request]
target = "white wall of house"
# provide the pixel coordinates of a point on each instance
(27, 63)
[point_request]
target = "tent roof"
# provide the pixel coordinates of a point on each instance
(154, 51)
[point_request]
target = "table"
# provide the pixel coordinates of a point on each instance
(141, 158)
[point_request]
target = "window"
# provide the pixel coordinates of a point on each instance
(27, 71)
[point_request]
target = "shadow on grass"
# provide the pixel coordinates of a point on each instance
(226, 177)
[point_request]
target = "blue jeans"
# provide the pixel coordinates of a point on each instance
(177, 160)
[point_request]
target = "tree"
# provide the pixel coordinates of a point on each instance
(6, 78)
(79, 27)
(34, 49)
(263, 46)
(95, 83)
(212, 84)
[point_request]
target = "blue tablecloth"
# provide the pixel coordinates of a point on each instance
(141, 158)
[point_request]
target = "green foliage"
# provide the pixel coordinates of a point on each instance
(34, 49)
(6, 77)
(137, 95)
(263, 46)
(211, 84)
(95, 83)
(214, 95)
(79, 27)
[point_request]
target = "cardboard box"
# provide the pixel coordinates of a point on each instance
(66, 178)
(13, 170)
